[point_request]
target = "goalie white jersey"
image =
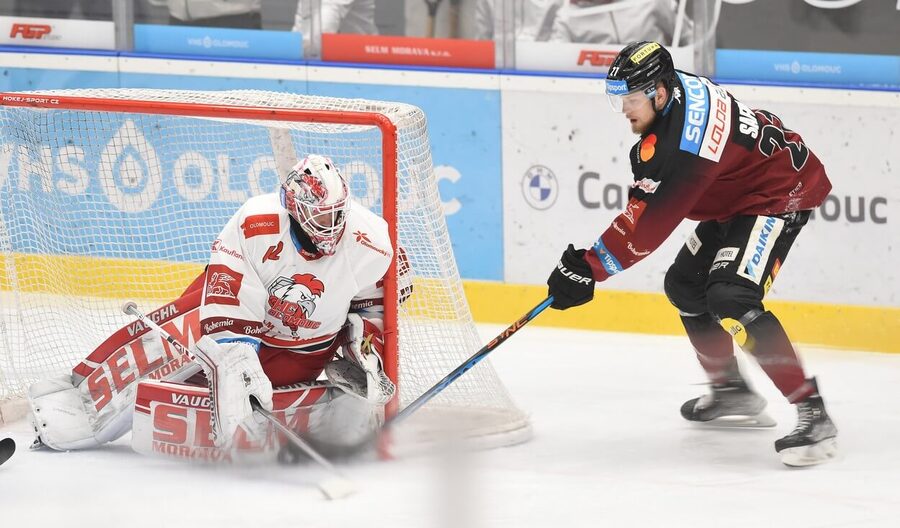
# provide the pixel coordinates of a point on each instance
(261, 286)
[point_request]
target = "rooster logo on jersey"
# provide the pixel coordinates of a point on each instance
(293, 300)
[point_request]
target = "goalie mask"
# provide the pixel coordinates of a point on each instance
(315, 194)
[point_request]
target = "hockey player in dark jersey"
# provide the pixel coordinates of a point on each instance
(752, 184)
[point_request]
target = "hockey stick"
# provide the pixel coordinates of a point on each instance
(335, 487)
(468, 364)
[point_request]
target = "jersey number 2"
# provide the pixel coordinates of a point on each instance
(772, 138)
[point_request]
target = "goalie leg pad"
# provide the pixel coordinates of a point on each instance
(173, 420)
(64, 418)
(343, 422)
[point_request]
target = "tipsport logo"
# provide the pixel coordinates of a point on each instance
(616, 87)
(540, 187)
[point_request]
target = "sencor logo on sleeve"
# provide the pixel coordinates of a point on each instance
(695, 113)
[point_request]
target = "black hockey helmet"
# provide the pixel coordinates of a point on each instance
(638, 68)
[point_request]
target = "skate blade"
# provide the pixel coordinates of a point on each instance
(740, 422)
(810, 455)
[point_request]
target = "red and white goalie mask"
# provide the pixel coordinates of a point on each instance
(315, 194)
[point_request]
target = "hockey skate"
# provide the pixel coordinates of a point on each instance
(813, 441)
(729, 404)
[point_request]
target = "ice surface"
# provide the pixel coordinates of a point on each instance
(610, 449)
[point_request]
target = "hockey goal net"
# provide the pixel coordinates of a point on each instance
(113, 194)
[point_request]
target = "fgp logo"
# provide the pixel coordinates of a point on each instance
(603, 59)
(540, 187)
(29, 31)
(759, 245)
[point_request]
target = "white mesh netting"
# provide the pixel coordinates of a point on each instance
(100, 206)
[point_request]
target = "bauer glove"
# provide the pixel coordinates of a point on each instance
(572, 282)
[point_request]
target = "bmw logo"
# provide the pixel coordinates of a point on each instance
(540, 187)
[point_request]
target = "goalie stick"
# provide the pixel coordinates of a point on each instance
(7, 449)
(335, 487)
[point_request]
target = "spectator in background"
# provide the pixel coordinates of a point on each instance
(534, 19)
(604, 22)
(244, 14)
(88, 9)
(338, 16)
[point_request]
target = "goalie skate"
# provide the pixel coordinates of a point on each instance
(730, 404)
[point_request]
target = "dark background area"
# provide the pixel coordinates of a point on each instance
(871, 26)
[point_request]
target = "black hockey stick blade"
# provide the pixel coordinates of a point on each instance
(7, 449)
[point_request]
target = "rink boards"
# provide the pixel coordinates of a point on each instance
(558, 164)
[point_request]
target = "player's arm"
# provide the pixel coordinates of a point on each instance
(656, 206)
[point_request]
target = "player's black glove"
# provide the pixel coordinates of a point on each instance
(572, 282)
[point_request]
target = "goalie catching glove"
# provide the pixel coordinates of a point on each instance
(360, 372)
(234, 375)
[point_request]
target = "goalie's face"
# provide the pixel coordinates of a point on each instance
(316, 196)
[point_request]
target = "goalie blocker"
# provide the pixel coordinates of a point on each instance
(137, 381)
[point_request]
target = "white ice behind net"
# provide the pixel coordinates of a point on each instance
(100, 206)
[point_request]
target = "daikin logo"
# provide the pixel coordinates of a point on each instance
(762, 243)
(759, 245)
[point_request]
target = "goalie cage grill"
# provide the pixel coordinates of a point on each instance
(108, 194)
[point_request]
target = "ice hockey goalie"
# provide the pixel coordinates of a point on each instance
(293, 290)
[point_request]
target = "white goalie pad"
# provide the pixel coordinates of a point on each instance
(64, 419)
(173, 420)
(344, 422)
(93, 405)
